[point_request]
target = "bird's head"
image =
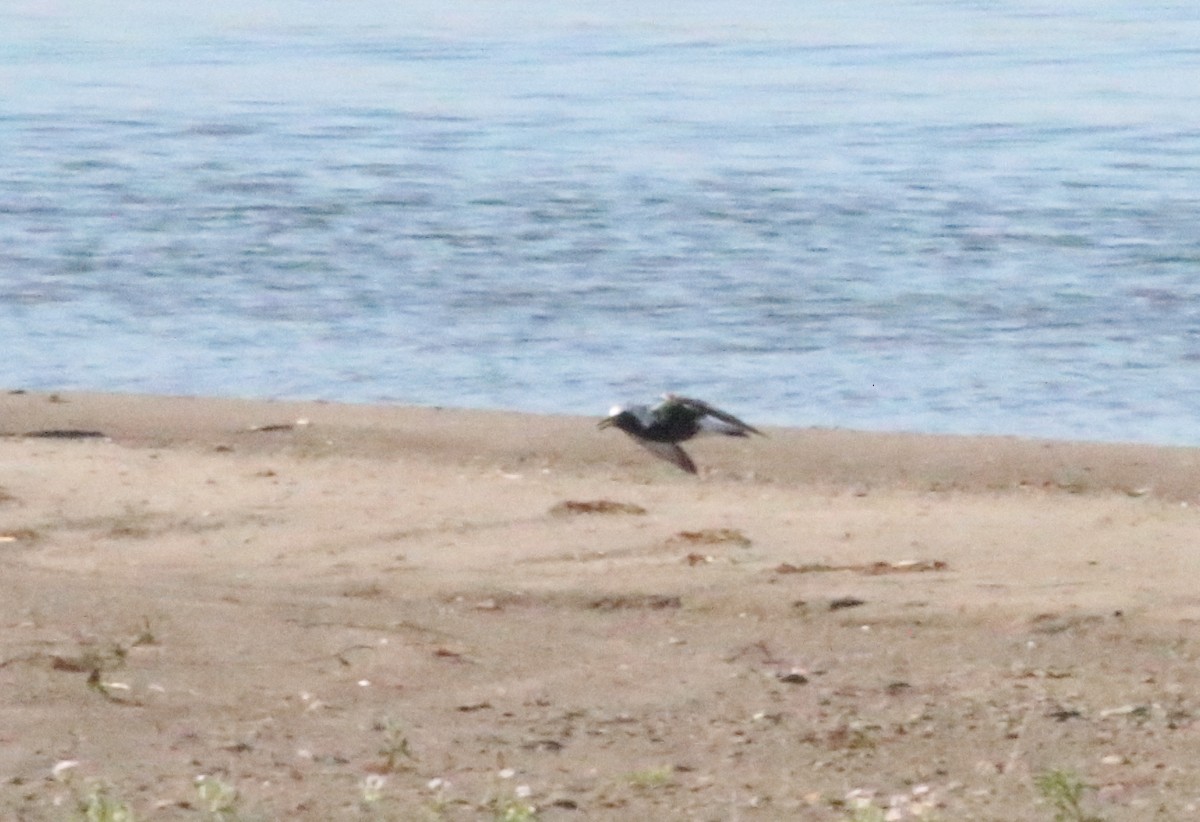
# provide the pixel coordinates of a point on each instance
(619, 417)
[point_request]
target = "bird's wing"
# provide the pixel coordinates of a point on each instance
(716, 413)
(670, 452)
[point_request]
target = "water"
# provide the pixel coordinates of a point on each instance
(946, 216)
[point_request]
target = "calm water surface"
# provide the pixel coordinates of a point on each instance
(940, 216)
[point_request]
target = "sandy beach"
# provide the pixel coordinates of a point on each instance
(295, 611)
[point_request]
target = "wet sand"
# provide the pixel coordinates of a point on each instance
(353, 612)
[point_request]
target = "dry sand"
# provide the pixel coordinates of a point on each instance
(399, 613)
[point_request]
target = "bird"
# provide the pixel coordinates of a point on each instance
(660, 428)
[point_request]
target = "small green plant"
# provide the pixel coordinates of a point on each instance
(217, 799)
(371, 788)
(396, 751)
(1064, 791)
(438, 805)
(651, 777)
(867, 813)
(145, 636)
(99, 805)
(514, 805)
(513, 809)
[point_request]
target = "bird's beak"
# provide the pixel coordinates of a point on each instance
(604, 423)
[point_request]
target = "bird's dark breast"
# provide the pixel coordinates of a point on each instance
(672, 429)
(627, 423)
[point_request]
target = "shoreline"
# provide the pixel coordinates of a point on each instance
(508, 439)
